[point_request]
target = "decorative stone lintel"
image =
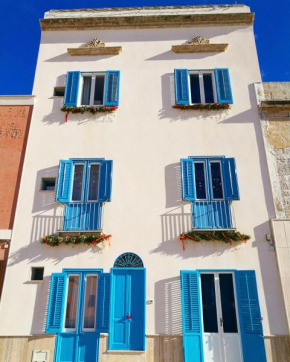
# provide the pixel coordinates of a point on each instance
(199, 48)
(95, 51)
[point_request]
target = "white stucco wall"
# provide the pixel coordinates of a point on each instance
(146, 139)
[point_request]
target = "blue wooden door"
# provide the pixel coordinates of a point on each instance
(78, 340)
(127, 314)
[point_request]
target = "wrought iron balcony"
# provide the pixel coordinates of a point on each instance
(211, 215)
(83, 216)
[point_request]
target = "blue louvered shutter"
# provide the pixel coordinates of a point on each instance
(181, 86)
(231, 186)
(223, 86)
(56, 303)
(64, 183)
(112, 88)
(72, 88)
(105, 189)
(191, 316)
(188, 179)
(103, 302)
(250, 317)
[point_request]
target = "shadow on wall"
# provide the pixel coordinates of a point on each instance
(168, 308)
(174, 115)
(40, 307)
(44, 200)
(57, 116)
(173, 186)
(139, 35)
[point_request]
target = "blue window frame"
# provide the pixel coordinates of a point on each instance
(84, 180)
(92, 88)
(211, 184)
(84, 185)
(202, 86)
(240, 311)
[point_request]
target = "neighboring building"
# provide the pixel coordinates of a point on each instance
(15, 115)
(137, 102)
(274, 104)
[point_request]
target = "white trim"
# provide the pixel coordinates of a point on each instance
(201, 85)
(84, 301)
(5, 234)
(78, 303)
(83, 181)
(88, 180)
(205, 180)
(17, 100)
(92, 90)
(217, 161)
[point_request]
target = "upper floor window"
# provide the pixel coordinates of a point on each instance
(202, 86)
(84, 180)
(92, 88)
(209, 178)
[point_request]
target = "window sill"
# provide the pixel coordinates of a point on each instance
(203, 107)
(91, 109)
(69, 238)
(94, 51)
(199, 48)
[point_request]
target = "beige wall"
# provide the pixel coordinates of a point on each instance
(146, 139)
(158, 349)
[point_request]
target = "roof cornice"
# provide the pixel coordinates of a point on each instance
(145, 21)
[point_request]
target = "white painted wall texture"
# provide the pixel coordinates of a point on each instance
(146, 139)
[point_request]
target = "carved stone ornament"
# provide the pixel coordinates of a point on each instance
(198, 40)
(95, 43)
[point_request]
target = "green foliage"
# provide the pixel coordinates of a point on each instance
(202, 107)
(227, 236)
(55, 240)
(91, 109)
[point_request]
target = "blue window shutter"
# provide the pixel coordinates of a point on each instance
(64, 183)
(181, 86)
(112, 88)
(72, 88)
(231, 186)
(188, 180)
(103, 302)
(250, 316)
(56, 303)
(105, 188)
(223, 86)
(191, 316)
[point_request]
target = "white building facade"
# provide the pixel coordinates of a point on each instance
(143, 183)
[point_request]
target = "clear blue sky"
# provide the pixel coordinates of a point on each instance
(20, 35)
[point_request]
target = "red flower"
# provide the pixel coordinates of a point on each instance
(216, 105)
(177, 106)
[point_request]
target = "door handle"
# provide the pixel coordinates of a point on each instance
(221, 322)
(129, 317)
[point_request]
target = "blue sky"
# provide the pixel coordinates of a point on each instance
(20, 35)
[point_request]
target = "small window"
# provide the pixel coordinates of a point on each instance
(93, 90)
(202, 87)
(37, 273)
(58, 91)
(48, 184)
